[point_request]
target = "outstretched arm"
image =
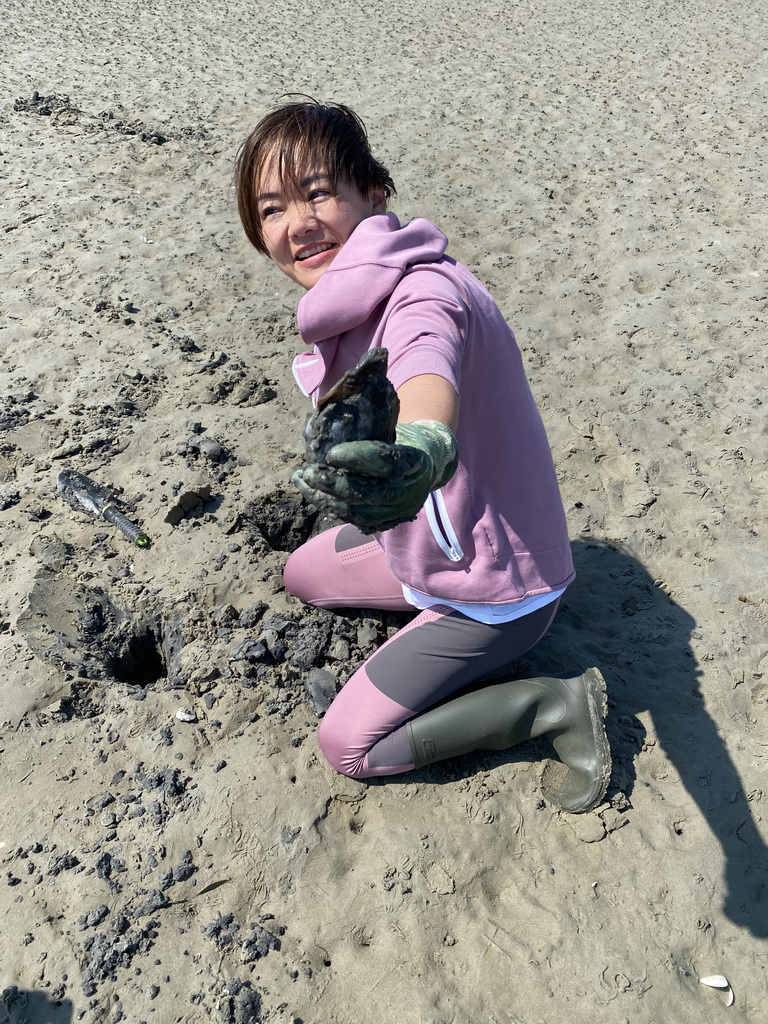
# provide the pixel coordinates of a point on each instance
(429, 397)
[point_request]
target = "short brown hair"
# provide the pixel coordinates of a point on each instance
(329, 135)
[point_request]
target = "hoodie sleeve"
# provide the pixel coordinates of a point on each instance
(427, 327)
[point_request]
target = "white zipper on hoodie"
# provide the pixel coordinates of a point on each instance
(445, 536)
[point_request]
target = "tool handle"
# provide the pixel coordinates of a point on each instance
(134, 534)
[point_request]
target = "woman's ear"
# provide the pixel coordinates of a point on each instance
(378, 197)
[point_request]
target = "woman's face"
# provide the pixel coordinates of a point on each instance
(305, 228)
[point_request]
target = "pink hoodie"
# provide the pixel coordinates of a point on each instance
(496, 533)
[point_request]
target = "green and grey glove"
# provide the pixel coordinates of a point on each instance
(375, 485)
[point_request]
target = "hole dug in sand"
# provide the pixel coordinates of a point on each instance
(141, 661)
(82, 632)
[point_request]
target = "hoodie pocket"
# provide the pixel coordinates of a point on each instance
(441, 526)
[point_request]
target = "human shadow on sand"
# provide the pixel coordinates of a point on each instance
(24, 1006)
(614, 616)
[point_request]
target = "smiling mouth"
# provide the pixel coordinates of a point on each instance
(314, 251)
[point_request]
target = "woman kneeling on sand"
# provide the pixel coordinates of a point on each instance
(482, 547)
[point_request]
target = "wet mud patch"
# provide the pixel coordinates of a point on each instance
(283, 519)
(81, 631)
(300, 660)
(234, 384)
(15, 411)
(279, 661)
(63, 113)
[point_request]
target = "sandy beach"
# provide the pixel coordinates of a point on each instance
(601, 168)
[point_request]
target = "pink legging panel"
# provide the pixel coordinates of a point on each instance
(440, 651)
(343, 568)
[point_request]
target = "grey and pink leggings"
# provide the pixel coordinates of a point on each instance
(363, 732)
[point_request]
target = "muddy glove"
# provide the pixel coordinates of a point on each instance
(375, 485)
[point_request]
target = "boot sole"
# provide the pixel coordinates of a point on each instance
(555, 771)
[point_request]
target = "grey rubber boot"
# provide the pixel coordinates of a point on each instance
(569, 712)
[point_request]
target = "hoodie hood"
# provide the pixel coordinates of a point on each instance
(366, 270)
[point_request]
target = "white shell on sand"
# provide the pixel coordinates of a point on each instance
(719, 981)
(186, 715)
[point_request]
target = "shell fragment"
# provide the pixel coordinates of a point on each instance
(186, 715)
(721, 982)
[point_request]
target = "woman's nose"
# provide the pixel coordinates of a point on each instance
(301, 219)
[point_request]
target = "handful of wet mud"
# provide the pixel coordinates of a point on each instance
(355, 471)
(363, 406)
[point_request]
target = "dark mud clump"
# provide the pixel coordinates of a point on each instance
(363, 406)
(105, 952)
(240, 1004)
(225, 933)
(166, 789)
(14, 410)
(94, 917)
(283, 520)
(60, 108)
(45, 106)
(258, 944)
(320, 685)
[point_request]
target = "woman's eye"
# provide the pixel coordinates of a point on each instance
(318, 193)
(267, 211)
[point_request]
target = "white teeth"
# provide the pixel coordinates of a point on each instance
(314, 251)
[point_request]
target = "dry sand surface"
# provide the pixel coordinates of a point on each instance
(602, 168)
